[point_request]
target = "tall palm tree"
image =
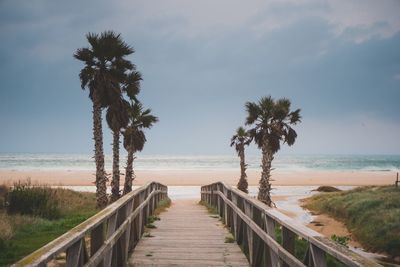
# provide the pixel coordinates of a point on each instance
(117, 118)
(135, 138)
(240, 140)
(104, 69)
(271, 123)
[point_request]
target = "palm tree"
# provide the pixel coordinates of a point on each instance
(117, 118)
(240, 140)
(271, 123)
(104, 69)
(135, 138)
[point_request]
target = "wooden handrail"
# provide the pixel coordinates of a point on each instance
(112, 232)
(253, 225)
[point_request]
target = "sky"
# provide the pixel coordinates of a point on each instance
(338, 61)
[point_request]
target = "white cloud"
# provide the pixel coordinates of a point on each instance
(363, 19)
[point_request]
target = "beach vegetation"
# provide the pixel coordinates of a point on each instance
(162, 206)
(372, 215)
(150, 226)
(271, 124)
(26, 199)
(229, 239)
(211, 209)
(342, 240)
(104, 70)
(239, 141)
(24, 230)
(135, 138)
(327, 188)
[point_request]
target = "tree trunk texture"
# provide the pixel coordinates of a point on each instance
(101, 177)
(264, 192)
(129, 174)
(242, 184)
(115, 194)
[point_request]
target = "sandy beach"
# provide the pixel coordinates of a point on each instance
(202, 177)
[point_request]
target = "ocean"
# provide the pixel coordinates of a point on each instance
(42, 161)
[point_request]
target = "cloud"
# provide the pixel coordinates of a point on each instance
(202, 60)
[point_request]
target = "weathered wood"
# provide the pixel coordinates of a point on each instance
(108, 250)
(187, 235)
(75, 254)
(318, 256)
(261, 226)
(96, 239)
(288, 241)
(275, 246)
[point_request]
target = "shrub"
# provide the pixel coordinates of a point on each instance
(326, 188)
(342, 240)
(32, 200)
(3, 196)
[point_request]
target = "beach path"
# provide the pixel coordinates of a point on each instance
(187, 235)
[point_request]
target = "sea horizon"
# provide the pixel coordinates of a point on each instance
(282, 162)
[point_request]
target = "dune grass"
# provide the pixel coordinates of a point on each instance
(372, 215)
(21, 234)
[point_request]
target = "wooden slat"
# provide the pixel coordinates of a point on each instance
(187, 235)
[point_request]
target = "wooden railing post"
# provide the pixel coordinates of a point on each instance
(97, 239)
(288, 241)
(258, 244)
(77, 254)
(248, 210)
(270, 257)
(317, 256)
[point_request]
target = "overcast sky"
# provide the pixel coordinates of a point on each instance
(339, 61)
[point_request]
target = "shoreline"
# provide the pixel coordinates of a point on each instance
(203, 177)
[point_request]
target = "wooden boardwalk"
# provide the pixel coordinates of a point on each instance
(187, 235)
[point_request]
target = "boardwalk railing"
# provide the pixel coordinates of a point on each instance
(106, 238)
(255, 227)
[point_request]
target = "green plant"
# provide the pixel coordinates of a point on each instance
(3, 196)
(327, 188)
(229, 239)
(148, 234)
(363, 209)
(211, 209)
(33, 200)
(150, 226)
(342, 240)
(153, 218)
(162, 206)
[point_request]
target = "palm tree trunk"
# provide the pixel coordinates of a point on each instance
(129, 174)
(101, 178)
(242, 184)
(264, 192)
(116, 174)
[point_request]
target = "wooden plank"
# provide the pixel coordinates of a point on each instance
(187, 235)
